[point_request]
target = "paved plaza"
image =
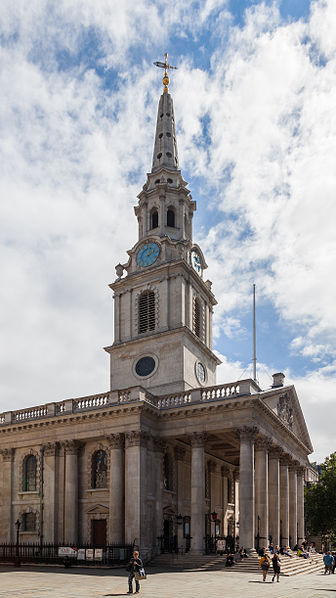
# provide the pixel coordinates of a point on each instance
(44, 582)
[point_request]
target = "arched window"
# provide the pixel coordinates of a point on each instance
(167, 472)
(99, 469)
(197, 318)
(146, 311)
(29, 474)
(154, 219)
(171, 218)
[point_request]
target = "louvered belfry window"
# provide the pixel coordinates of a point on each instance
(146, 311)
(197, 318)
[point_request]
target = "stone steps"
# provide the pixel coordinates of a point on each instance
(289, 565)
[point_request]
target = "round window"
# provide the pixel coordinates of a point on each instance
(145, 366)
(200, 372)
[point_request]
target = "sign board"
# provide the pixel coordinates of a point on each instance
(98, 554)
(221, 545)
(89, 554)
(81, 554)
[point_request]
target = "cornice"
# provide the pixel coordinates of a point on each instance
(132, 277)
(175, 331)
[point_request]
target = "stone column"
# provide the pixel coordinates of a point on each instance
(179, 457)
(284, 501)
(274, 494)
(50, 521)
(261, 491)
(116, 489)
(300, 505)
(246, 489)
(6, 496)
(135, 489)
(236, 502)
(293, 532)
(71, 448)
(159, 448)
(213, 492)
(197, 492)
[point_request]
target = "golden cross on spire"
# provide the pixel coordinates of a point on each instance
(164, 65)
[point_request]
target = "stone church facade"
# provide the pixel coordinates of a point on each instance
(165, 457)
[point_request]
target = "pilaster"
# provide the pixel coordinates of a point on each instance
(116, 489)
(71, 449)
(6, 495)
(50, 511)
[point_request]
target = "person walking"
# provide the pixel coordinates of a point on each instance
(264, 563)
(328, 560)
(134, 567)
(276, 566)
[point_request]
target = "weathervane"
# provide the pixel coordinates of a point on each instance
(164, 65)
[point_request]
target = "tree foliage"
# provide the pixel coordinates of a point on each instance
(320, 500)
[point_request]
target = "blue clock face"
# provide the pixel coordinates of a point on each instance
(148, 254)
(196, 262)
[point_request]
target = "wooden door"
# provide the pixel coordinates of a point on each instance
(99, 533)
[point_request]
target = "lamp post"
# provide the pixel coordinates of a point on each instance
(17, 555)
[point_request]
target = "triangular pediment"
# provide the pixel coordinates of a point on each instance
(99, 509)
(286, 406)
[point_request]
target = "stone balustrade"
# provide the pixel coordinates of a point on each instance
(129, 395)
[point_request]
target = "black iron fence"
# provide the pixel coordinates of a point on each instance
(57, 554)
(213, 544)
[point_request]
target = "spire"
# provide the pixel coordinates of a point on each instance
(165, 148)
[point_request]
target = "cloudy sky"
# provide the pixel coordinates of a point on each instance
(255, 97)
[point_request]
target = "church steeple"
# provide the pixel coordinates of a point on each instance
(165, 146)
(162, 306)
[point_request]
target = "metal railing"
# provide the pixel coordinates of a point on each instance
(59, 554)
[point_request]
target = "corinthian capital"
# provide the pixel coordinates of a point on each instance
(7, 454)
(71, 447)
(116, 441)
(136, 438)
(198, 438)
(50, 449)
(247, 432)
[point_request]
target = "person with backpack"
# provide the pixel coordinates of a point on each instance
(264, 563)
(134, 567)
(276, 566)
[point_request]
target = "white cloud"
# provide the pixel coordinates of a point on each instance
(259, 128)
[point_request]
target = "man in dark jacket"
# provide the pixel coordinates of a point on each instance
(134, 567)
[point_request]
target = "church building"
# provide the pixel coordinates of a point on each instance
(166, 458)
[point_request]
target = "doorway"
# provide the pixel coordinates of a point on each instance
(99, 533)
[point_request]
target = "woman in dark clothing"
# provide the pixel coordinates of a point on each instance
(135, 565)
(276, 566)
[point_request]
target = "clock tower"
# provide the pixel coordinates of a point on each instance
(162, 305)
